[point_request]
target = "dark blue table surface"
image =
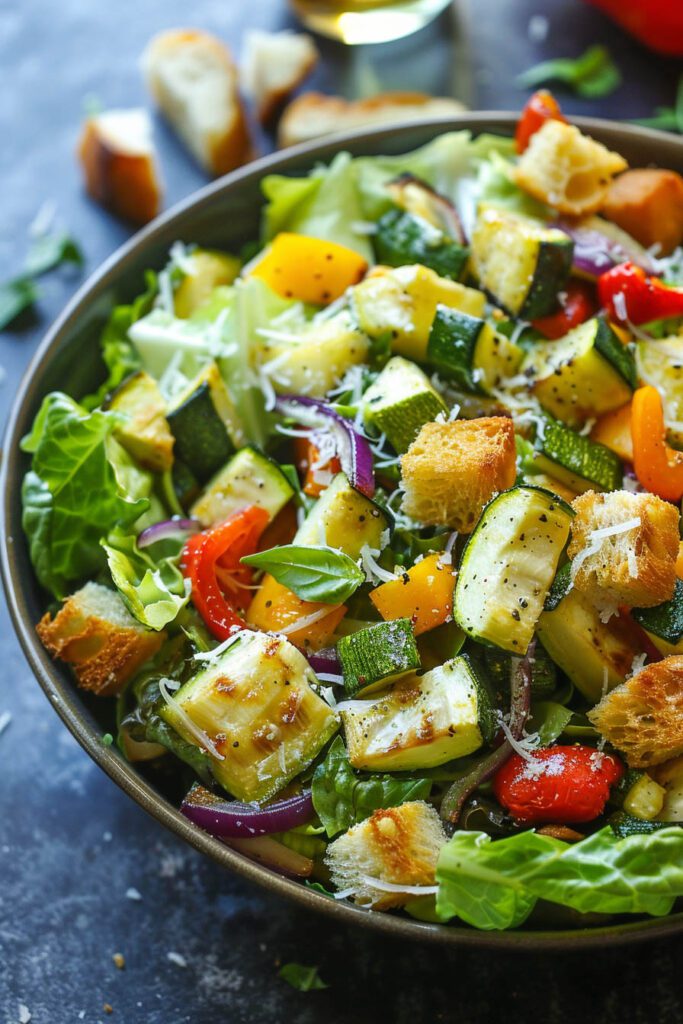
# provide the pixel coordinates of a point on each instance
(73, 848)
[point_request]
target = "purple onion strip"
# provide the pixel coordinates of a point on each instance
(230, 819)
(325, 661)
(168, 528)
(595, 253)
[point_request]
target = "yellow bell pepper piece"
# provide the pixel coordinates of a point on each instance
(423, 594)
(309, 269)
(275, 608)
(613, 429)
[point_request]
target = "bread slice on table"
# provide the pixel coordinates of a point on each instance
(274, 64)
(193, 79)
(312, 114)
(119, 164)
(95, 633)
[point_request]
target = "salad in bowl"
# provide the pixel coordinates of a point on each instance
(372, 531)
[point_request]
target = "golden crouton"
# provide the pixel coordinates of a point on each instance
(635, 567)
(94, 632)
(399, 845)
(648, 203)
(451, 470)
(670, 776)
(566, 169)
(643, 717)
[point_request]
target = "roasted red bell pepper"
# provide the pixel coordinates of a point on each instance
(577, 305)
(629, 294)
(540, 107)
(656, 23)
(222, 547)
(557, 784)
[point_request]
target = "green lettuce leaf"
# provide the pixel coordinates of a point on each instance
(72, 496)
(549, 720)
(494, 885)
(326, 205)
(313, 573)
(305, 979)
(154, 591)
(342, 796)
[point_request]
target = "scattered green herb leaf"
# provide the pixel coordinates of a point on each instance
(592, 75)
(49, 251)
(313, 573)
(15, 297)
(305, 979)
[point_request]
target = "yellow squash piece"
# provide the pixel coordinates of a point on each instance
(206, 271)
(309, 269)
(423, 594)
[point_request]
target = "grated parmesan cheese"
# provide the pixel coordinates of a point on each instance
(596, 539)
(202, 739)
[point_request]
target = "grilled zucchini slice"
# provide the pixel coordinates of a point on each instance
(376, 656)
(423, 721)
(146, 434)
(404, 238)
(204, 424)
(664, 623)
(508, 566)
(470, 351)
(344, 518)
(520, 262)
(255, 705)
(400, 402)
(582, 375)
(575, 460)
(249, 478)
(594, 654)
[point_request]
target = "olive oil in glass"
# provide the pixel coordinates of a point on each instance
(367, 21)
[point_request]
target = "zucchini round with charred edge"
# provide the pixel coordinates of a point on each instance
(469, 351)
(508, 566)
(374, 657)
(403, 238)
(249, 478)
(664, 623)
(575, 460)
(345, 519)
(400, 402)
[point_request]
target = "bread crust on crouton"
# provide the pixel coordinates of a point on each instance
(636, 568)
(103, 654)
(119, 166)
(648, 203)
(643, 717)
(567, 169)
(452, 470)
(399, 845)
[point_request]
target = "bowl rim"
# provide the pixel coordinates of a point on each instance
(63, 695)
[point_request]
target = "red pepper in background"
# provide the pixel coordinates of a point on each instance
(558, 784)
(629, 294)
(656, 23)
(540, 107)
(221, 548)
(578, 306)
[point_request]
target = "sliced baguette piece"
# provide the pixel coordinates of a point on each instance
(274, 64)
(94, 633)
(643, 717)
(119, 164)
(193, 79)
(312, 114)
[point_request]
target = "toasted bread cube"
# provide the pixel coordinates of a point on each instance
(273, 66)
(648, 203)
(398, 845)
(635, 566)
(567, 169)
(119, 164)
(94, 633)
(451, 470)
(313, 115)
(194, 81)
(643, 717)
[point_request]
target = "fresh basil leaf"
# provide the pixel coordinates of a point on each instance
(305, 979)
(312, 573)
(49, 251)
(72, 496)
(592, 75)
(154, 591)
(549, 720)
(342, 796)
(495, 884)
(15, 297)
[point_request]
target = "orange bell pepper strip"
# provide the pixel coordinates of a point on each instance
(423, 594)
(658, 467)
(309, 269)
(307, 455)
(276, 609)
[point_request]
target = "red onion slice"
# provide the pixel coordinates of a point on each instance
(353, 451)
(595, 252)
(325, 661)
(175, 528)
(231, 819)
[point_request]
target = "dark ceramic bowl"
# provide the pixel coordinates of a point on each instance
(226, 214)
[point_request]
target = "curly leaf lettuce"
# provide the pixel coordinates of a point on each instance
(343, 797)
(72, 496)
(495, 885)
(154, 590)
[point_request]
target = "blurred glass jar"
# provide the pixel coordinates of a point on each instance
(367, 21)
